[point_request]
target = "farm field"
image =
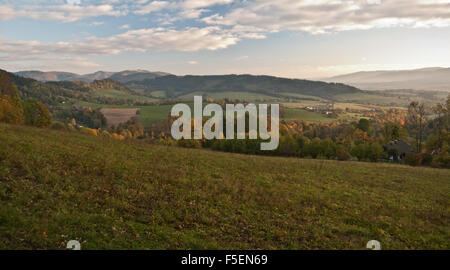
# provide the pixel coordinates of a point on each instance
(293, 110)
(247, 96)
(122, 95)
(56, 186)
(115, 116)
(296, 113)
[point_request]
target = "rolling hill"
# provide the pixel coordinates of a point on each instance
(56, 186)
(435, 78)
(176, 86)
(172, 86)
(136, 75)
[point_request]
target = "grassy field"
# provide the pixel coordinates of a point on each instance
(295, 113)
(122, 95)
(246, 96)
(57, 186)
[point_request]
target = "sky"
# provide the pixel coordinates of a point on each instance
(288, 38)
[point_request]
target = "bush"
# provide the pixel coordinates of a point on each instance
(427, 159)
(441, 160)
(9, 112)
(342, 154)
(413, 159)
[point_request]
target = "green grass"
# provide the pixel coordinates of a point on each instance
(301, 114)
(372, 99)
(122, 95)
(247, 96)
(57, 186)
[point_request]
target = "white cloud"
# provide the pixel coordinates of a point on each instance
(65, 13)
(192, 62)
(321, 16)
(96, 23)
(142, 40)
(153, 6)
(125, 26)
(189, 9)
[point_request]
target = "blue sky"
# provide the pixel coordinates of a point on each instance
(290, 38)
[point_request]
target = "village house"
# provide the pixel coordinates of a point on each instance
(397, 150)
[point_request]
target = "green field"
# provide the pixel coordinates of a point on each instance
(155, 113)
(115, 94)
(57, 186)
(148, 114)
(242, 96)
(301, 114)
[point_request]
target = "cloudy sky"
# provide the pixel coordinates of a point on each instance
(291, 38)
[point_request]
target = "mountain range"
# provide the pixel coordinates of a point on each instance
(434, 78)
(123, 76)
(175, 86)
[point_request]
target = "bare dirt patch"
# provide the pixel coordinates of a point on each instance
(115, 116)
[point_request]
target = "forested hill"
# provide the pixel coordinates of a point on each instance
(179, 85)
(53, 93)
(96, 85)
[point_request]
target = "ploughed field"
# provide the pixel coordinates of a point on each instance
(115, 116)
(58, 186)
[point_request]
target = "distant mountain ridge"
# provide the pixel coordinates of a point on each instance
(122, 76)
(144, 81)
(433, 78)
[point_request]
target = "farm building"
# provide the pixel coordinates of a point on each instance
(397, 149)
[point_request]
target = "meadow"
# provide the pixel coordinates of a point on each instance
(56, 186)
(115, 94)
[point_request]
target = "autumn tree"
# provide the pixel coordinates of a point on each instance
(36, 114)
(11, 110)
(416, 123)
(392, 131)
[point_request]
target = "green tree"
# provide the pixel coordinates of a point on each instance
(364, 125)
(392, 131)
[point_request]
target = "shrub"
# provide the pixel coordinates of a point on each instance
(427, 159)
(413, 159)
(9, 112)
(441, 160)
(342, 154)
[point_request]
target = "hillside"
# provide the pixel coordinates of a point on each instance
(176, 86)
(57, 186)
(94, 86)
(136, 75)
(417, 79)
(54, 93)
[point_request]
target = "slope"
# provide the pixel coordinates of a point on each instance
(57, 186)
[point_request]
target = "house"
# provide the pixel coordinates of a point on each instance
(397, 149)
